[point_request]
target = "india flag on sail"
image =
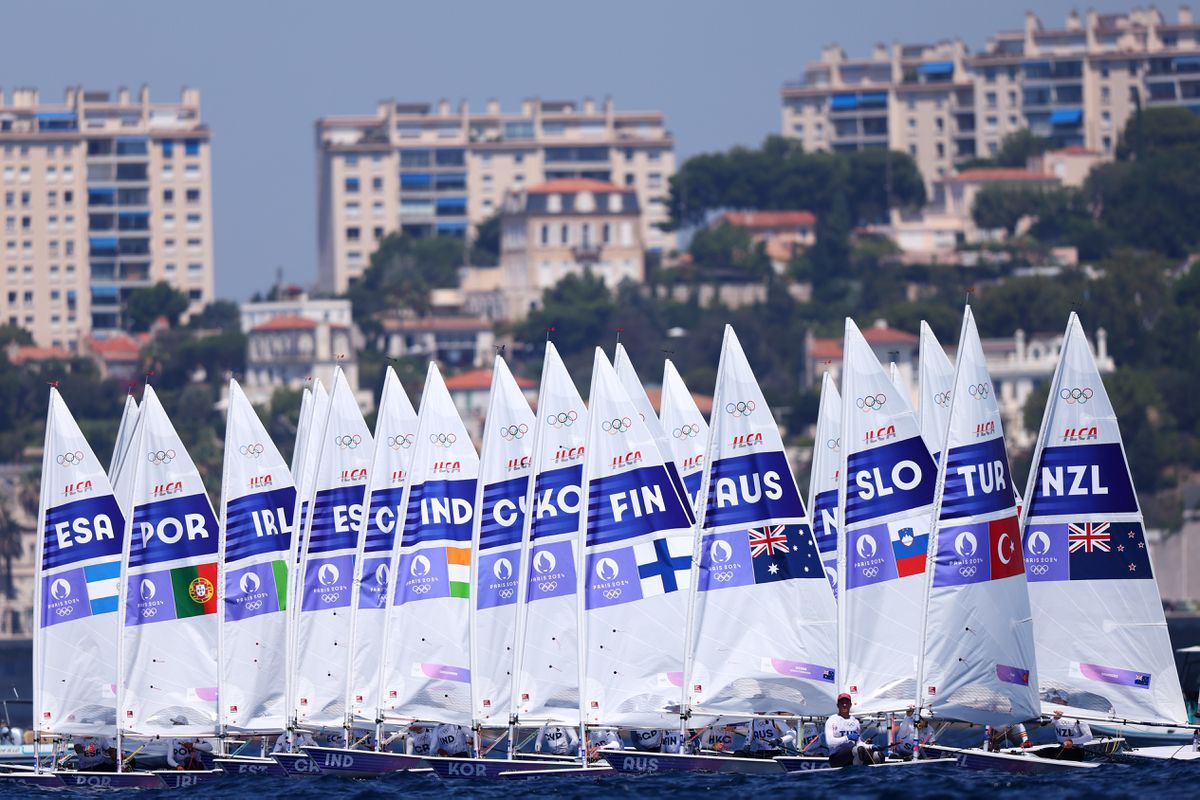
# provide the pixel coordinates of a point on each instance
(427, 657)
(637, 566)
(326, 584)
(887, 498)
(77, 584)
(686, 431)
(978, 582)
(547, 658)
(505, 466)
(760, 573)
(395, 438)
(823, 483)
(1102, 642)
(167, 683)
(258, 503)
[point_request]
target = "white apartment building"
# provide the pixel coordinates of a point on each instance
(101, 194)
(429, 170)
(942, 104)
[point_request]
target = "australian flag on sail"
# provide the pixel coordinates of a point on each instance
(1087, 551)
(781, 552)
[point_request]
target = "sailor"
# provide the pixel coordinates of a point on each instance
(719, 739)
(560, 740)
(648, 740)
(302, 740)
(766, 738)
(184, 754)
(1076, 730)
(95, 754)
(283, 743)
(420, 741)
(811, 744)
(673, 741)
(334, 739)
(451, 740)
(842, 737)
(904, 735)
(997, 738)
(604, 739)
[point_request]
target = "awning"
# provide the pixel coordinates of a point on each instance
(873, 99)
(102, 190)
(452, 226)
(1187, 61)
(936, 68)
(1066, 116)
(67, 116)
(842, 102)
(102, 242)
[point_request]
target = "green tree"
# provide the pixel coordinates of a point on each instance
(728, 249)
(485, 247)
(222, 314)
(581, 311)
(151, 302)
(401, 274)
(10, 334)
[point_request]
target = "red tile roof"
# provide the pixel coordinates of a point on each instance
(766, 220)
(437, 324)
(831, 349)
(480, 380)
(19, 354)
(997, 174)
(286, 322)
(568, 185)
(119, 347)
(1077, 150)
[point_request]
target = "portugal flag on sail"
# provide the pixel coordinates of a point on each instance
(195, 590)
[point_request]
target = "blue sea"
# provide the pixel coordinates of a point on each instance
(1113, 781)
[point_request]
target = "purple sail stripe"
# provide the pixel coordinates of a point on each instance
(1015, 675)
(801, 669)
(446, 672)
(1115, 675)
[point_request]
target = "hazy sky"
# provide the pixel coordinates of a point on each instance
(267, 70)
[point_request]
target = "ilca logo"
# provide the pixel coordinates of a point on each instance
(1076, 395)
(616, 425)
(251, 450)
(688, 431)
(563, 419)
(871, 402)
(70, 458)
(980, 391)
(401, 442)
(742, 408)
(347, 441)
(160, 457)
(442, 439)
(510, 432)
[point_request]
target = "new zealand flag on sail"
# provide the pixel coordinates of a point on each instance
(1087, 551)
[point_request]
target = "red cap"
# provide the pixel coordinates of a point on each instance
(844, 696)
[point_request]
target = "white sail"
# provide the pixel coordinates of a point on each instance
(505, 465)
(167, 676)
(823, 483)
(129, 415)
(302, 427)
(427, 656)
(763, 631)
(886, 498)
(636, 565)
(77, 585)
(258, 504)
(641, 401)
(978, 660)
(547, 659)
(1102, 642)
(343, 457)
(687, 432)
(395, 440)
(936, 383)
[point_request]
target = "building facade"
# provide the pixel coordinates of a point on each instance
(102, 194)
(1077, 85)
(427, 169)
(562, 227)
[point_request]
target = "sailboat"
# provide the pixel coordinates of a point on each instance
(168, 643)
(978, 660)
(687, 432)
(129, 415)
(823, 482)
(1103, 651)
(258, 505)
(935, 384)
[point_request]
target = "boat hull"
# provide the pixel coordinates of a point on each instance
(43, 779)
(111, 780)
(1006, 762)
(1170, 752)
(491, 768)
(600, 770)
(361, 763)
(181, 779)
(803, 763)
(633, 762)
(297, 765)
(238, 765)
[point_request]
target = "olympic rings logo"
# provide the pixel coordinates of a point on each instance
(70, 459)
(979, 391)
(872, 402)
(942, 398)
(442, 439)
(251, 450)
(253, 605)
(723, 577)
(149, 612)
(505, 593)
(346, 440)
(64, 612)
(686, 431)
(870, 572)
(161, 457)
(616, 425)
(421, 588)
(741, 408)
(331, 597)
(404, 441)
(510, 432)
(1073, 396)
(547, 586)
(612, 594)
(834, 444)
(966, 572)
(1039, 569)
(563, 419)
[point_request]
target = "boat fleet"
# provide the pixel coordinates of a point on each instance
(641, 590)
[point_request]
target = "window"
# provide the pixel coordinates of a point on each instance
(191, 172)
(25, 197)
(195, 294)
(554, 203)
(654, 180)
(168, 195)
(654, 155)
(912, 150)
(378, 231)
(487, 182)
(193, 221)
(485, 159)
(68, 197)
(545, 234)
(168, 245)
(377, 208)
(1107, 140)
(193, 245)
(191, 147)
(351, 185)
(941, 150)
(352, 234)
(941, 124)
(518, 158)
(615, 203)
(1105, 95)
(991, 99)
(168, 220)
(991, 124)
(24, 174)
(350, 160)
(51, 174)
(168, 172)
(193, 195)
(798, 128)
(195, 268)
(377, 184)
(1105, 119)
(168, 148)
(564, 234)
(26, 223)
(606, 233)
(519, 179)
(55, 295)
(52, 222)
(353, 209)
(169, 269)
(1104, 70)
(912, 123)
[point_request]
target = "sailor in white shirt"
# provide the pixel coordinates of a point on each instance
(767, 736)
(720, 739)
(95, 754)
(904, 735)
(842, 734)
(419, 741)
(811, 744)
(185, 753)
(672, 741)
(560, 740)
(997, 738)
(604, 739)
(451, 741)
(648, 740)
(1078, 731)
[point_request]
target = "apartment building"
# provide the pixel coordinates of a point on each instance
(102, 194)
(430, 170)
(942, 104)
